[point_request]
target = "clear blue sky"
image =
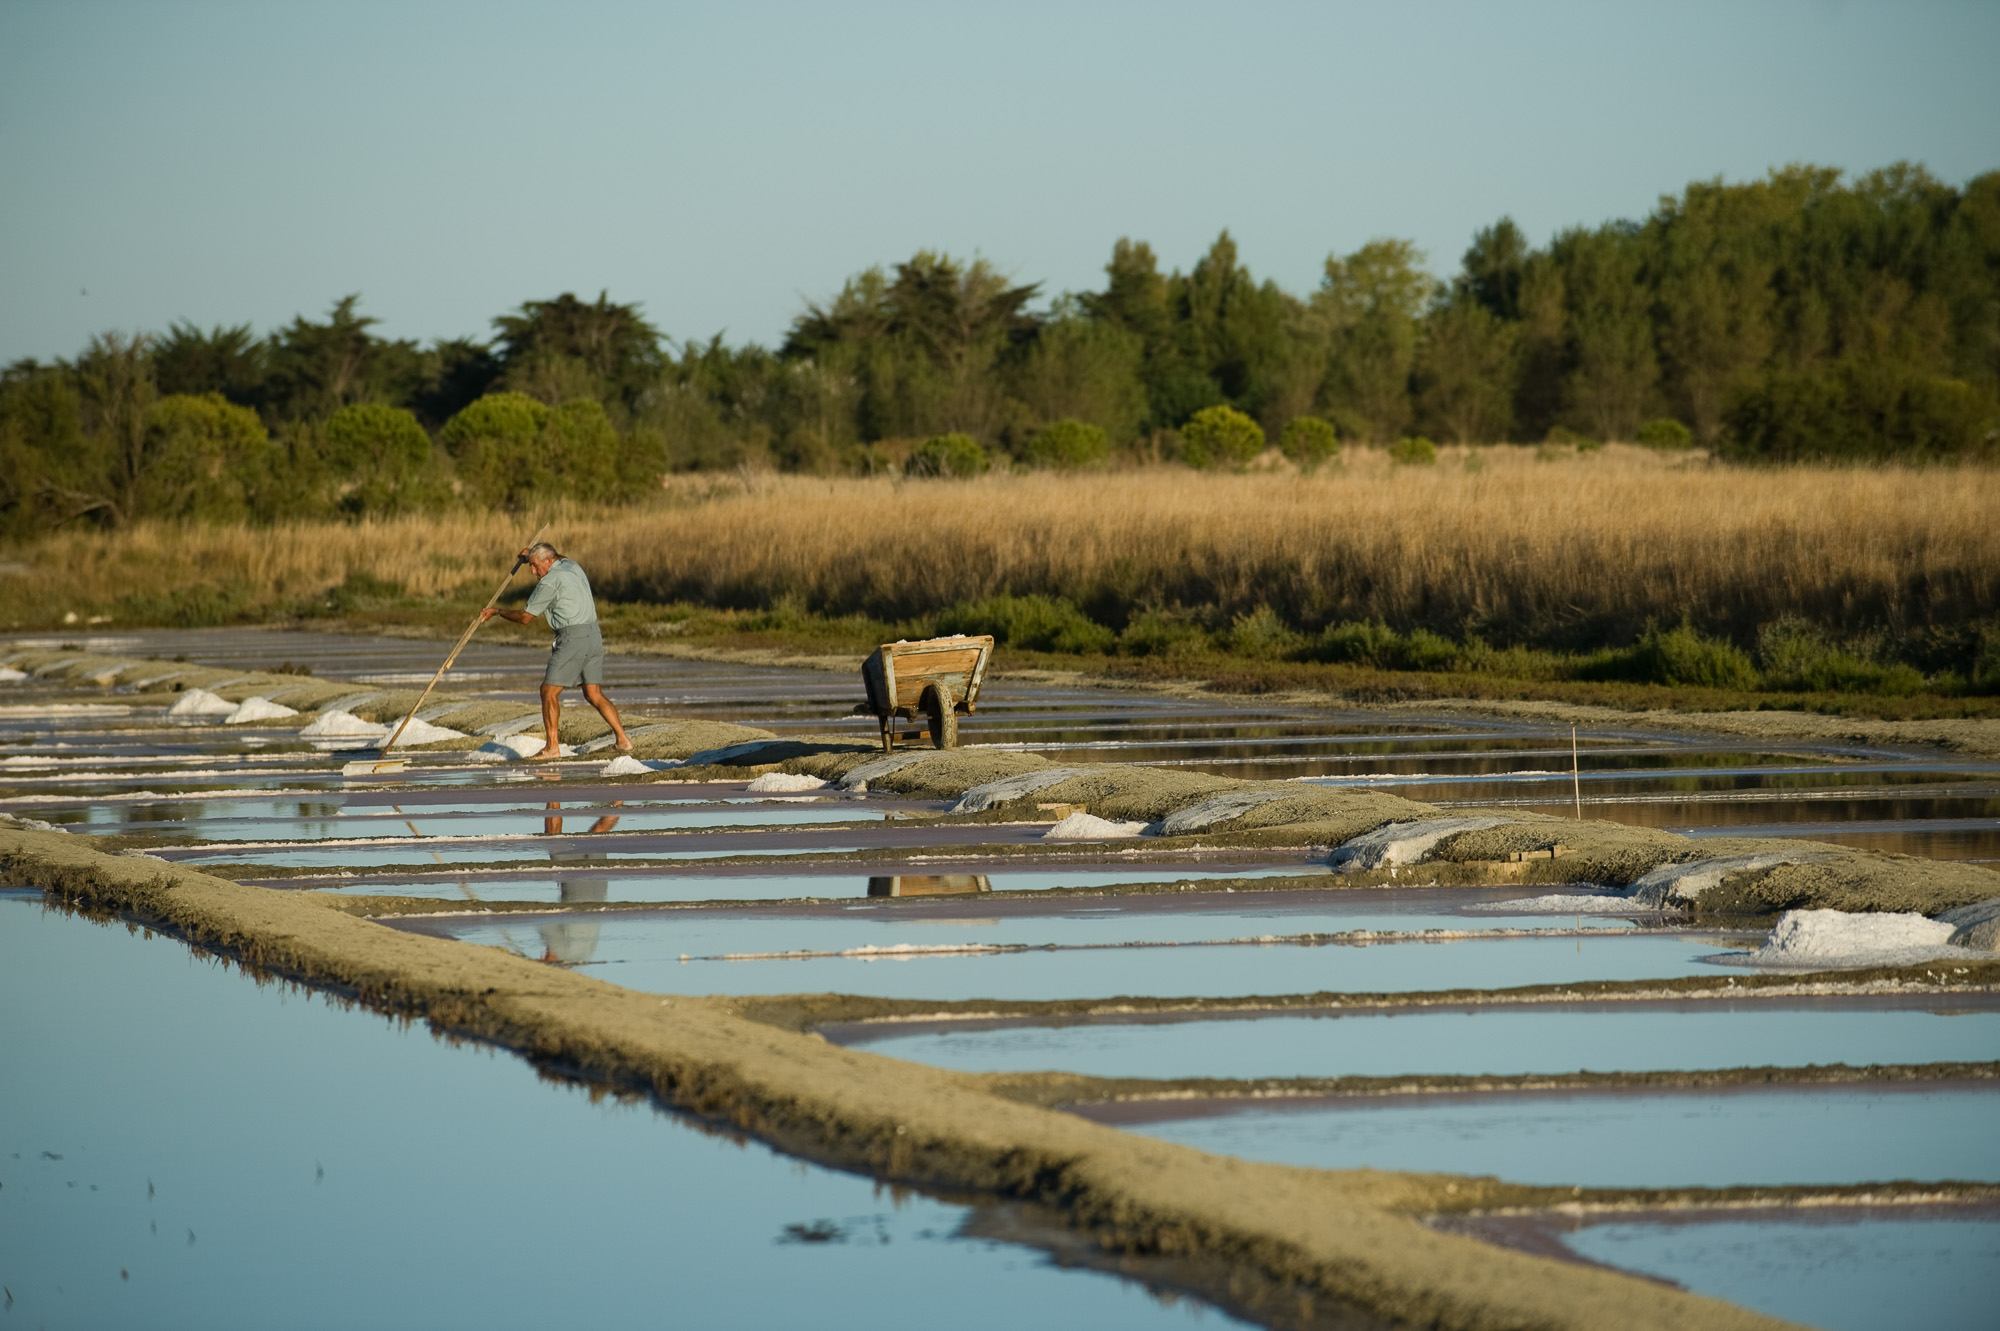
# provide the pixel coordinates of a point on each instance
(244, 162)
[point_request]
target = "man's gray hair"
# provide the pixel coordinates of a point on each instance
(543, 550)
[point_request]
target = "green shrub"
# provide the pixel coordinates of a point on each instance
(1425, 650)
(1359, 643)
(1417, 452)
(1263, 634)
(1985, 674)
(1664, 432)
(1679, 656)
(1162, 633)
(512, 451)
(1068, 445)
(1034, 623)
(1794, 655)
(1308, 441)
(1221, 437)
(380, 458)
(1852, 411)
(210, 461)
(947, 455)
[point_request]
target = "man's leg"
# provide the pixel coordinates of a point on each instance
(551, 715)
(594, 695)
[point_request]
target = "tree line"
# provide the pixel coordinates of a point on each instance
(1799, 317)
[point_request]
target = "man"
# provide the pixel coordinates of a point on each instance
(562, 595)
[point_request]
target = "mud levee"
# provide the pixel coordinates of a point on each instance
(1307, 1240)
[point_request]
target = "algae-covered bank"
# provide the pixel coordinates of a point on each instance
(653, 925)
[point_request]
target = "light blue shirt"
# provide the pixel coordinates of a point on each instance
(562, 597)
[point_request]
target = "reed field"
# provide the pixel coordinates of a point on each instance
(1505, 545)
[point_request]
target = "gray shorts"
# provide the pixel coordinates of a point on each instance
(578, 656)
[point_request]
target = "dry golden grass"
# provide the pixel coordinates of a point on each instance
(1571, 550)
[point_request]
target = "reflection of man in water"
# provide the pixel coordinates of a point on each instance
(562, 593)
(573, 942)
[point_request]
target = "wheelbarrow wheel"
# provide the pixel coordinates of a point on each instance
(943, 716)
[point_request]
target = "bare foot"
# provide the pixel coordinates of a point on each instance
(551, 752)
(625, 746)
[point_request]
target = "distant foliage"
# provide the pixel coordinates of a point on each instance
(379, 458)
(1417, 452)
(511, 450)
(1068, 445)
(1309, 441)
(947, 455)
(1802, 317)
(205, 459)
(1033, 623)
(1665, 432)
(1221, 437)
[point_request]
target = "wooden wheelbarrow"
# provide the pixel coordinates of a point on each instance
(936, 678)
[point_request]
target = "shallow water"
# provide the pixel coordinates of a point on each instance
(649, 958)
(1495, 1041)
(1630, 1139)
(804, 882)
(182, 1147)
(1874, 1272)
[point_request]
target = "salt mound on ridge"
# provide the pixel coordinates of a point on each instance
(784, 781)
(342, 725)
(9, 675)
(1402, 843)
(1815, 939)
(1089, 827)
(200, 702)
(258, 709)
(420, 731)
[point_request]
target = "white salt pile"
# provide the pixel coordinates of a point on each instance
(1565, 903)
(9, 675)
(342, 725)
(784, 781)
(624, 765)
(1009, 788)
(1838, 939)
(1089, 827)
(200, 702)
(1220, 809)
(508, 748)
(1402, 843)
(858, 778)
(1976, 926)
(419, 731)
(258, 709)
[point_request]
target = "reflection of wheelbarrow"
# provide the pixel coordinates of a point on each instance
(937, 678)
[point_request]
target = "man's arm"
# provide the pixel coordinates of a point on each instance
(517, 616)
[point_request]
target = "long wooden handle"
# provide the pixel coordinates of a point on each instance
(463, 638)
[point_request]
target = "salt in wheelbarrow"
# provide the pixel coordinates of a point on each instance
(936, 678)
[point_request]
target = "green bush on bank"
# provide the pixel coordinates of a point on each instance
(1309, 442)
(947, 455)
(1068, 445)
(1221, 437)
(1033, 623)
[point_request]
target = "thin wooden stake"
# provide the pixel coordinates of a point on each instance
(1575, 775)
